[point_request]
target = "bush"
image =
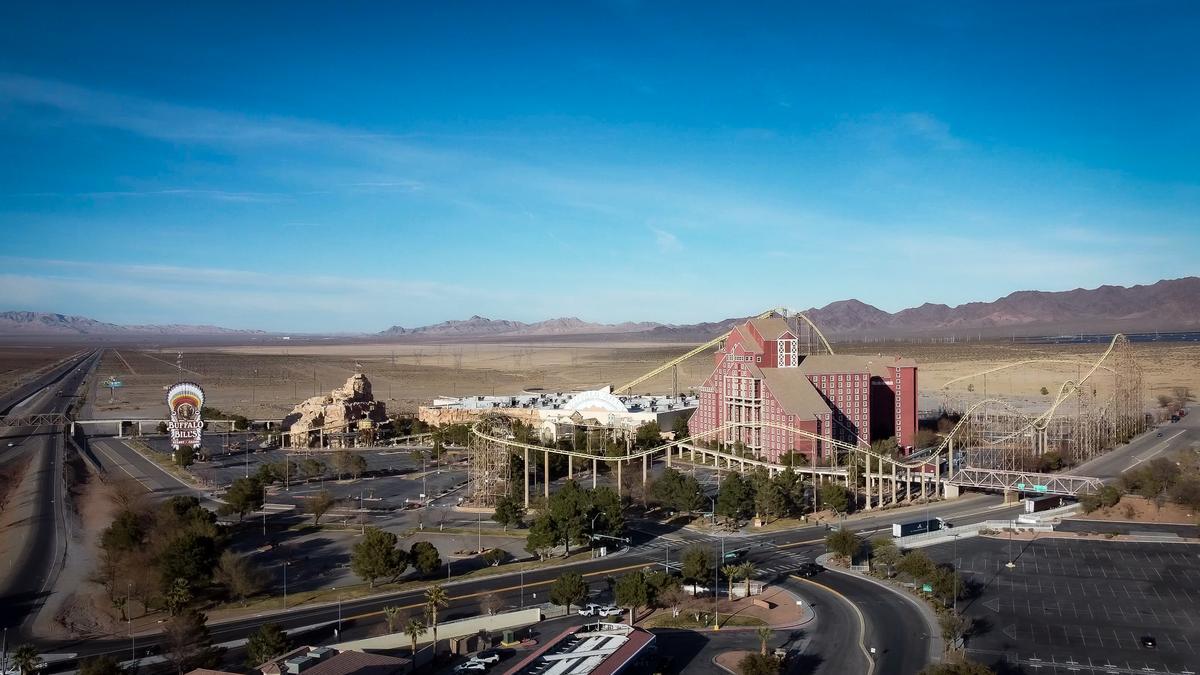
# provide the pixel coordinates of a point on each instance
(1109, 496)
(758, 664)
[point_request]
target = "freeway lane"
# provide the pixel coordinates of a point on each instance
(33, 525)
(1149, 445)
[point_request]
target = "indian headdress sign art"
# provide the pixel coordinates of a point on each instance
(185, 401)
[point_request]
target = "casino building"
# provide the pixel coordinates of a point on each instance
(761, 376)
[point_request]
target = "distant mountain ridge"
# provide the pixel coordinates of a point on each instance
(480, 326)
(43, 323)
(1172, 304)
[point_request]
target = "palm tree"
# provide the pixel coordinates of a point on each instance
(730, 572)
(764, 634)
(435, 597)
(390, 614)
(414, 629)
(26, 659)
(747, 570)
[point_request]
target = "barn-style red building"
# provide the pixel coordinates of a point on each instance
(761, 375)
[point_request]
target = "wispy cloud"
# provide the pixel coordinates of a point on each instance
(666, 241)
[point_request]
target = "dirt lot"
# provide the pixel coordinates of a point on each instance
(262, 381)
(1137, 509)
(19, 362)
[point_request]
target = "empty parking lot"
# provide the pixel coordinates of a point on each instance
(1075, 606)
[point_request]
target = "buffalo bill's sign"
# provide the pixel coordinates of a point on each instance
(185, 401)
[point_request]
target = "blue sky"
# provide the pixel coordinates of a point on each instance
(315, 167)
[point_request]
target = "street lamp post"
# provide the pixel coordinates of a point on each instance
(128, 621)
(284, 565)
(339, 601)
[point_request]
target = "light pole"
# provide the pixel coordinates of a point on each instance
(284, 565)
(1010, 564)
(339, 601)
(128, 622)
(956, 564)
(717, 587)
(479, 521)
(264, 511)
(522, 587)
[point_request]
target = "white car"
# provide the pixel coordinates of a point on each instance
(471, 667)
(487, 658)
(609, 610)
(589, 610)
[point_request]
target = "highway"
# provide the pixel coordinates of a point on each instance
(34, 523)
(1175, 437)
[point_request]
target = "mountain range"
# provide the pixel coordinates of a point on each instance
(41, 323)
(1172, 304)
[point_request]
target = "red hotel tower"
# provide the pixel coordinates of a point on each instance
(761, 376)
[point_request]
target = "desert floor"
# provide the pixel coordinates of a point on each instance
(264, 382)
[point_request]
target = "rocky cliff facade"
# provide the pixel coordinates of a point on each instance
(348, 409)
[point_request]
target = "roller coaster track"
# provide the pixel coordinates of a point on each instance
(35, 420)
(1017, 364)
(782, 311)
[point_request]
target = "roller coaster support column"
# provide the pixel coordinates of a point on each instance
(619, 463)
(570, 467)
(645, 465)
(594, 474)
(669, 450)
(867, 481)
(525, 469)
(546, 473)
(879, 481)
(895, 486)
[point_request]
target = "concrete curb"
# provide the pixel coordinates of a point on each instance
(937, 645)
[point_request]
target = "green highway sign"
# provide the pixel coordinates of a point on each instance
(927, 588)
(1039, 488)
(1020, 486)
(116, 383)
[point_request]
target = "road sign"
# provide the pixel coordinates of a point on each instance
(1020, 486)
(927, 588)
(115, 383)
(1039, 488)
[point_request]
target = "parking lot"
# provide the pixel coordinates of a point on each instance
(393, 477)
(1081, 606)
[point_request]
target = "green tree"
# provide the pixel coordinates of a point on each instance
(836, 497)
(185, 456)
(178, 597)
(954, 627)
(633, 592)
(1045, 391)
(916, 565)
(391, 616)
(542, 537)
(747, 571)
(188, 556)
(770, 499)
(26, 659)
(735, 498)
(264, 644)
(609, 510)
(424, 557)
(695, 566)
(319, 504)
(162, 428)
(730, 572)
(240, 577)
(357, 466)
(885, 553)
(414, 629)
(764, 634)
(758, 664)
(680, 427)
(1109, 496)
(243, 496)
(378, 557)
(312, 467)
(126, 533)
(649, 435)
(435, 598)
(509, 512)
(843, 542)
(568, 589)
(187, 643)
(100, 665)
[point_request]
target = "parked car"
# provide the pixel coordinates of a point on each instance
(589, 610)
(1149, 642)
(471, 667)
(610, 610)
(488, 657)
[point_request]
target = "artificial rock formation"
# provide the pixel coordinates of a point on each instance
(346, 410)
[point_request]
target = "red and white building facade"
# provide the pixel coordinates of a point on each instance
(761, 376)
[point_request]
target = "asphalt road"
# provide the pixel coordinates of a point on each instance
(1175, 437)
(34, 521)
(835, 642)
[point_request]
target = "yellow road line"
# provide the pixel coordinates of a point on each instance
(533, 584)
(862, 622)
